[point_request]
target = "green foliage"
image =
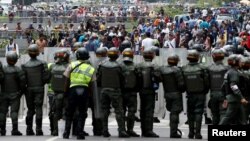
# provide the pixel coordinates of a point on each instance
(170, 10)
(4, 43)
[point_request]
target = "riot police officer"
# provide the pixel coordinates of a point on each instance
(245, 82)
(95, 98)
(110, 79)
(232, 89)
(173, 84)
(12, 89)
(129, 92)
(125, 44)
(57, 85)
(76, 46)
(216, 76)
(79, 76)
(148, 81)
(37, 75)
(197, 85)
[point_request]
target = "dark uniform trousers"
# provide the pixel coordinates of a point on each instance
(195, 109)
(174, 105)
(59, 106)
(147, 98)
(77, 99)
(12, 100)
(34, 99)
(114, 97)
(234, 114)
(51, 98)
(130, 105)
(215, 104)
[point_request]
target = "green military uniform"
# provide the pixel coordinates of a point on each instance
(37, 75)
(234, 96)
(129, 92)
(147, 97)
(197, 85)
(216, 76)
(234, 87)
(173, 84)
(110, 80)
(57, 86)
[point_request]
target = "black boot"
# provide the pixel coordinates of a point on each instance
(123, 134)
(150, 134)
(207, 119)
(55, 126)
(29, 130)
(174, 121)
(3, 129)
(15, 131)
(106, 134)
(198, 122)
(156, 120)
(191, 129)
(39, 131)
(67, 129)
(130, 127)
(51, 122)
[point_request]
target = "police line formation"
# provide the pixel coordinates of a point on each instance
(75, 85)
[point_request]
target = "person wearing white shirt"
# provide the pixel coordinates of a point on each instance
(148, 42)
(170, 43)
(11, 47)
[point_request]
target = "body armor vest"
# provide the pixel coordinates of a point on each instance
(194, 79)
(169, 80)
(216, 77)
(34, 76)
(110, 76)
(147, 82)
(57, 78)
(11, 83)
(130, 77)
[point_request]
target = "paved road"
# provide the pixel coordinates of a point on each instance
(161, 128)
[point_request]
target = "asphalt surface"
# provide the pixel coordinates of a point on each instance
(161, 129)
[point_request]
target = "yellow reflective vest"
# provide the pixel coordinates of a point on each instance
(81, 75)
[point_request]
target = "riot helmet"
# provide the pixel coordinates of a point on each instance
(33, 50)
(11, 58)
(128, 55)
(76, 46)
(101, 52)
(82, 54)
(173, 59)
(62, 56)
(233, 60)
(113, 53)
(244, 63)
(148, 54)
(125, 44)
(240, 50)
(218, 55)
(193, 56)
(156, 50)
